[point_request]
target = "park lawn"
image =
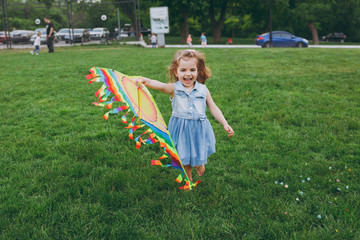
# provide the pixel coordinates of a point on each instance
(66, 173)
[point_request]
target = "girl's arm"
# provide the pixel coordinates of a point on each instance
(167, 88)
(216, 112)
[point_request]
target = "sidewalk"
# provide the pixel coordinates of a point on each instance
(209, 46)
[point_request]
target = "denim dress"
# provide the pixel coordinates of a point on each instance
(189, 127)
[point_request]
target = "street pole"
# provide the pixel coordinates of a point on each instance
(137, 30)
(68, 17)
(72, 24)
(118, 15)
(271, 38)
(138, 4)
(6, 23)
(3, 17)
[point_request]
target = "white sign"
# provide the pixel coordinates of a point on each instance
(159, 19)
(103, 17)
(37, 21)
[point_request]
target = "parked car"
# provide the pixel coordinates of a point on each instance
(62, 33)
(128, 31)
(21, 36)
(3, 39)
(334, 37)
(39, 29)
(80, 35)
(122, 34)
(146, 31)
(281, 39)
(42, 37)
(98, 33)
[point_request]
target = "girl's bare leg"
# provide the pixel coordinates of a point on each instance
(188, 171)
(200, 170)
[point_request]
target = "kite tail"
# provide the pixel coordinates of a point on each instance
(111, 85)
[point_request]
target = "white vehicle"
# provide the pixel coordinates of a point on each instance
(98, 33)
(62, 33)
(42, 37)
(39, 29)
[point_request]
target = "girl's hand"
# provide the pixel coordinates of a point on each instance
(229, 130)
(142, 80)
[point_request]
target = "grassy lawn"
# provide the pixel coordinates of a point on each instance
(290, 172)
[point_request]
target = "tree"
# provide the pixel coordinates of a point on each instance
(129, 9)
(346, 19)
(217, 11)
(186, 8)
(312, 12)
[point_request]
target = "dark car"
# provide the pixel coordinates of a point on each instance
(146, 31)
(21, 36)
(281, 39)
(334, 37)
(125, 34)
(80, 35)
(4, 39)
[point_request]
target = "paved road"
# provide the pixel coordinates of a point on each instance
(63, 44)
(255, 46)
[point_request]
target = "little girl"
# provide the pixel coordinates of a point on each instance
(203, 39)
(189, 40)
(189, 127)
(36, 44)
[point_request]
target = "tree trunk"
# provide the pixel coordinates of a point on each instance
(217, 24)
(314, 33)
(217, 33)
(184, 26)
(129, 10)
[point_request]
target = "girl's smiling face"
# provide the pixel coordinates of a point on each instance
(187, 72)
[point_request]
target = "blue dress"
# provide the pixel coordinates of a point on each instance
(189, 127)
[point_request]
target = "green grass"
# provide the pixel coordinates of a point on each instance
(65, 173)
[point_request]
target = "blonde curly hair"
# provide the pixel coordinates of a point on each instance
(203, 72)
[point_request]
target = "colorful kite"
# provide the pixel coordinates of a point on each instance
(137, 99)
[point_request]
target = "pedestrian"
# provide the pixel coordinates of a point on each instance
(189, 127)
(189, 40)
(37, 43)
(49, 34)
(203, 40)
(153, 40)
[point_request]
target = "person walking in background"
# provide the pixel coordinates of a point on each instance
(153, 40)
(189, 40)
(203, 40)
(49, 34)
(37, 44)
(189, 127)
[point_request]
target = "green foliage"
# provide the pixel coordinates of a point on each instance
(241, 26)
(18, 23)
(65, 173)
(243, 18)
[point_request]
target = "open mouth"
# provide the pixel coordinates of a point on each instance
(187, 80)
